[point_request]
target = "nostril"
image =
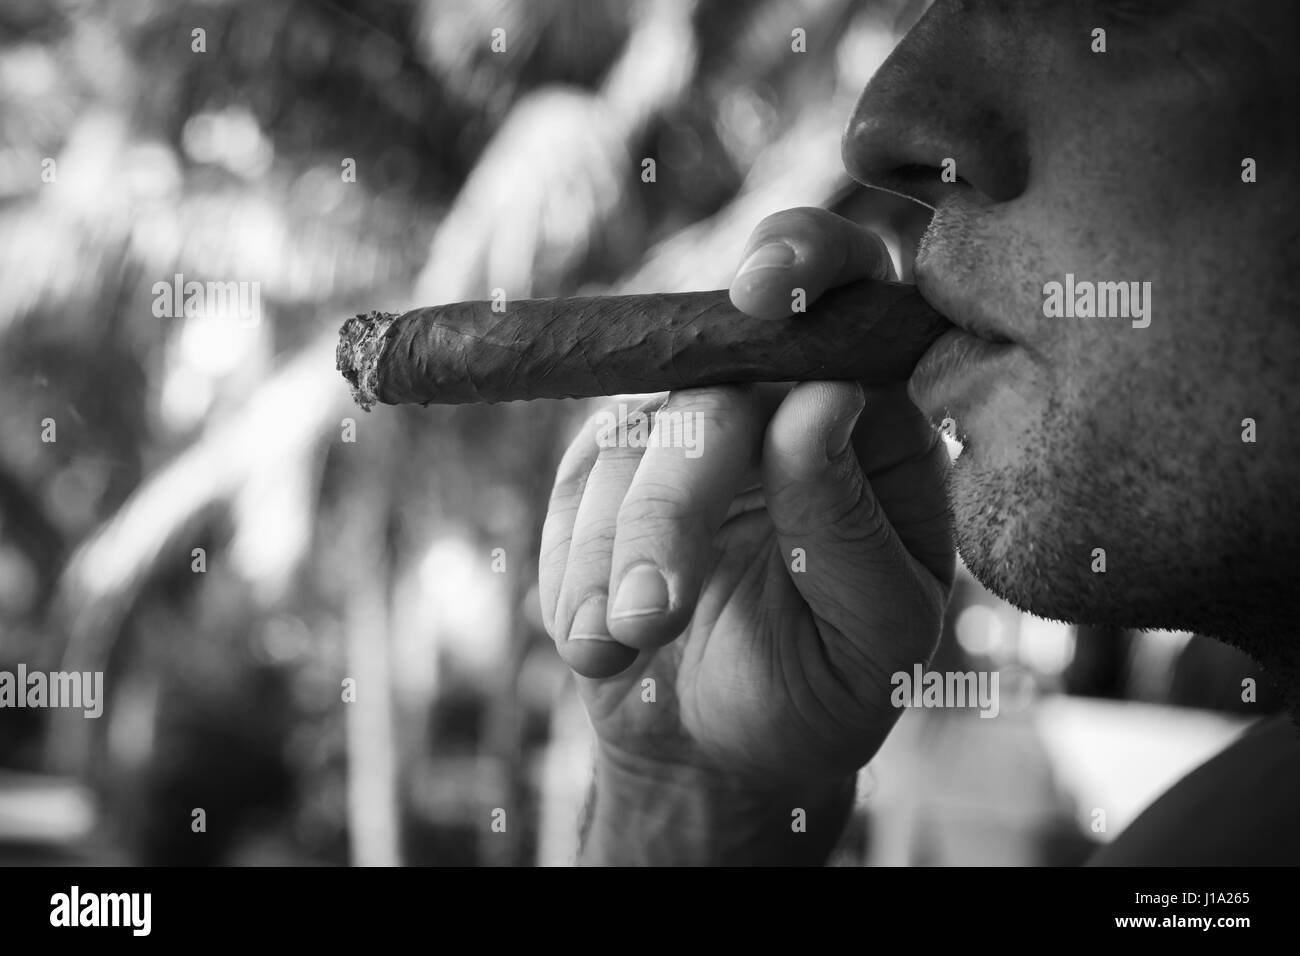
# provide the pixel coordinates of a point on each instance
(927, 151)
(924, 183)
(917, 174)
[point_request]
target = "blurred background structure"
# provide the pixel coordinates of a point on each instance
(191, 504)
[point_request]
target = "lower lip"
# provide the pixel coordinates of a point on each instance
(955, 369)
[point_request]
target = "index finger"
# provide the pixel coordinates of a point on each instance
(808, 249)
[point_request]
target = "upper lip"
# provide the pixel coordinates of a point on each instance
(942, 289)
(969, 316)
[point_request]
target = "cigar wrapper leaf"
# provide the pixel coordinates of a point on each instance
(871, 331)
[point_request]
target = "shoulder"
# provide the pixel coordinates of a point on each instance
(1240, 808)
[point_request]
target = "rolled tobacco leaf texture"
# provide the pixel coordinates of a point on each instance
(870, 331)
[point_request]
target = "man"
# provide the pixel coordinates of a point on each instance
(1094, 144)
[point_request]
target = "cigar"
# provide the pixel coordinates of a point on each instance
(870, 331)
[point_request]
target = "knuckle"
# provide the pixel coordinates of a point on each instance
(850, 518)
(593, 533)
(588, 563)
(800, 216)
(567, 492)
(718, 403)
(617, 417)
(618, 447)
(795, 222)
(553, 554)
(655, 504)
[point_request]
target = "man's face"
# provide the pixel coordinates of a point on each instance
(1121, 432)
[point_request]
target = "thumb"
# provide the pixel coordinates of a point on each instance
(851, 569)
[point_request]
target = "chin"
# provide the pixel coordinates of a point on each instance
(1029, 537)
(1020, 539)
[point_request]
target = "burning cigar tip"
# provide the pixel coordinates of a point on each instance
(361, 343)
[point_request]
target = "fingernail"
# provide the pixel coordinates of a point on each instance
(642, 593)
(774, 255)
(589, 622)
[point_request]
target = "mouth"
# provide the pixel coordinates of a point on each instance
(970, 317)
(967, 361)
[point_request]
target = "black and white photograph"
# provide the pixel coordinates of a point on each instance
(650, 433)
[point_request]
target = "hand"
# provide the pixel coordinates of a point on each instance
(768, 587)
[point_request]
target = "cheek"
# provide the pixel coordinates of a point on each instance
(1121, 402)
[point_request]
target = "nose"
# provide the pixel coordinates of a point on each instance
(948, 99)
